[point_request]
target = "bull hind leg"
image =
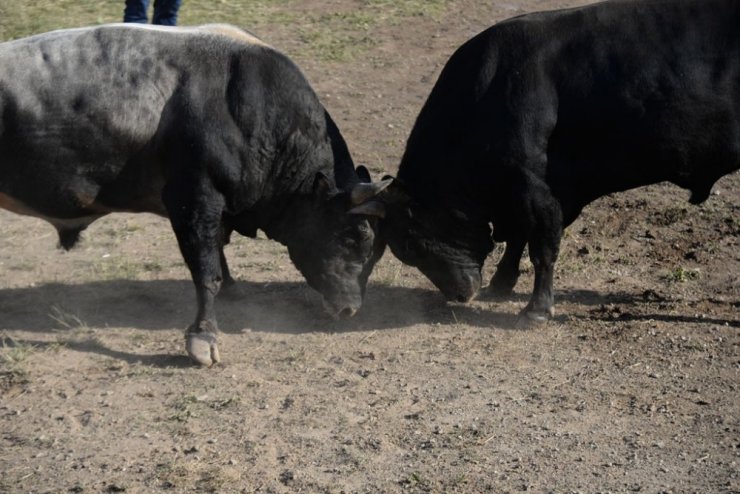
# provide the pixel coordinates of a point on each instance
(196, 219)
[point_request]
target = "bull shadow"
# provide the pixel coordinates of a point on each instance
(637, 306)
(278, 307)
(616, 306)
(93, 345)
(582, 297)
(286, 307)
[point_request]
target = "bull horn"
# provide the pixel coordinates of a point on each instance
(364, 191)
(369, 208)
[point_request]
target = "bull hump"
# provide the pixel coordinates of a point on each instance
(233, 33)
(225, 30)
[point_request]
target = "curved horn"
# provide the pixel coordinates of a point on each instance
(364, 191)
(369, 208)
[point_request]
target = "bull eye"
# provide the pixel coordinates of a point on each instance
(365, 232)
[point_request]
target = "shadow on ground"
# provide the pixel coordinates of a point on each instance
(282, 307)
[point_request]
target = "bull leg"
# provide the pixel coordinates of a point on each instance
(197, 225)
(544, 245)
(228, 279)
(225, 240)
(229, 289)
(507, 270)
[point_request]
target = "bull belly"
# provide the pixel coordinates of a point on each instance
(82, 220)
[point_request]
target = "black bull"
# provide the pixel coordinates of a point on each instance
(539, 115)
(207, 126)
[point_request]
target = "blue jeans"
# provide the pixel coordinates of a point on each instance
(165, 11)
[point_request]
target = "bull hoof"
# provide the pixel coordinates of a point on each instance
(533, 319)
(202, 348)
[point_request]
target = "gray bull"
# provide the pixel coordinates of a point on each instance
(207, 126)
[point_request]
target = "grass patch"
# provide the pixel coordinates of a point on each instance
(14, 355)
(26, 18)
(67, 320)
(335, 38)
(248, 15)
(338, 36)
(393, 9)
(113, 268)
(191, 406)
(12, 352)
(416, 481)
(682, 275)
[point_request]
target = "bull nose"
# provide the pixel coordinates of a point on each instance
(341, 310)
(466, 292)
(347, 312)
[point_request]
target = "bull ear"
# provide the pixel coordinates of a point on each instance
(396, 192)
(322, 186)
(363, 174)
(365, 191)
(369, 208)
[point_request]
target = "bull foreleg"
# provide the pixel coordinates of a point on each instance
(197, 224)
(545, 230)
(507, 270)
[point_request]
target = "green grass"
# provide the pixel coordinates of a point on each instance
(341, 35)
(19, 19)
(247, 14)
(393, 9)
(328, 42)
(682, 275)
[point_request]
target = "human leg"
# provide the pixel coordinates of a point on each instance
(165, 12)
(135, 11)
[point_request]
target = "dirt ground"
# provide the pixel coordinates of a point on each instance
(634, 387)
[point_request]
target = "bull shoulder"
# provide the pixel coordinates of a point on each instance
(232, 32)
